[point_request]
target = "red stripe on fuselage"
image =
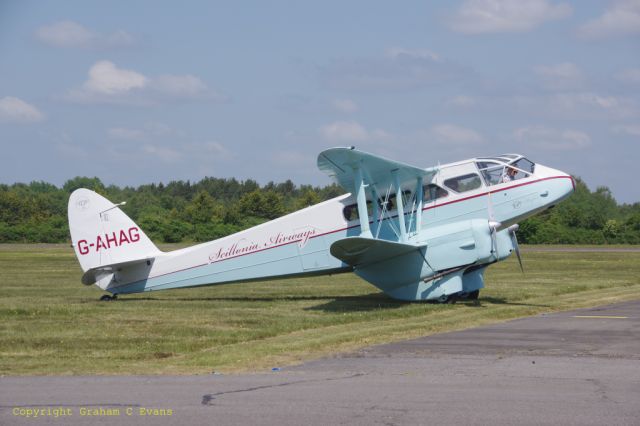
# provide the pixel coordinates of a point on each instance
(356, 226)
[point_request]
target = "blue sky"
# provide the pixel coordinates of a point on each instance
(145, 91)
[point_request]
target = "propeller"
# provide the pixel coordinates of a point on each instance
(493, 225)
(514, 241)
(493, 228)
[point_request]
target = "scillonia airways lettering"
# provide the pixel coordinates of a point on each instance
(107, 241)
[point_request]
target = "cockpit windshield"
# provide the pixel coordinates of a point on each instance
(504, 168)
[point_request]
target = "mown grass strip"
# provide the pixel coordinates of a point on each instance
(52, 324)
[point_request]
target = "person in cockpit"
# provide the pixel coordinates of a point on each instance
(508, 174)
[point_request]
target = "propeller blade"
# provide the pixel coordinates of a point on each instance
(493, 229)
(493, 225)
(514, 241)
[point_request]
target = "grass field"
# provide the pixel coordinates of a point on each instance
(52, 324)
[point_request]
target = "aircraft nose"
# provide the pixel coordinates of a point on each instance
(571, 183)
(559, 184)
(568, 186)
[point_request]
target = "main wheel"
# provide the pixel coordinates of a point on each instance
(473, 295)
(106, 298)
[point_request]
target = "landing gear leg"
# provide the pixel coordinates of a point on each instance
(473, 295)
(450, 299)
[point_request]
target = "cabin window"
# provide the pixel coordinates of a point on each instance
(392, 202)
(464, 183)
(432, 192)
(350, 212)
(491, 172)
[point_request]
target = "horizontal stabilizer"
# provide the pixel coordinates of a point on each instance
(96, 274)
(358, 251)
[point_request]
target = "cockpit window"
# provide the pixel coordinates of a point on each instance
(433, 192)
(495, 173)
(525, 165)
(464, 183)
(491, 172)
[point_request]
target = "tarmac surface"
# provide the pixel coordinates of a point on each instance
(571, 368)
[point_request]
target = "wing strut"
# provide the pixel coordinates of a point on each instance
(400, 206)
(360, 187)
(375, 211)
(419, 194)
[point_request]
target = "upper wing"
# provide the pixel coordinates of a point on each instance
(339, 164)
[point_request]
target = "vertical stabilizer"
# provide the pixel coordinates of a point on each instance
(102, 234)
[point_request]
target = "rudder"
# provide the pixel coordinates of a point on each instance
(102, 234)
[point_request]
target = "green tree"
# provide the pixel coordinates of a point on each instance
(611, 230)
(94, 184)
(308, 198)
(201, 209)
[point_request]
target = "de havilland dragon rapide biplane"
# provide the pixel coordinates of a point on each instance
(415, 233)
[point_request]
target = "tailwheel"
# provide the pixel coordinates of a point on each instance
(108, 298)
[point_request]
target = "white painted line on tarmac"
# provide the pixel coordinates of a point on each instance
(600, 316)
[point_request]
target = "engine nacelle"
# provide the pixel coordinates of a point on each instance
(452, 247)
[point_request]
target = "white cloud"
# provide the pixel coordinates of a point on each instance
(164, 154)
(591, 104)
(621, 19)
(563, 76)
(499, 16)
(107, 83)
(126, 134)
(629, 129)
(629, 76)
(107, 79)
(551, 139)
(215, 148)
(461, 101)
(16, 110)
(73, 35)
(577, 105)
(398, 69)
(345, 105)
(398, 52)
(179, 85)
(345, 131)
(291, 158)
(352, 131)
(149, 131)
(450, 134)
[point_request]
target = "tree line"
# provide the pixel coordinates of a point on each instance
(184, 211)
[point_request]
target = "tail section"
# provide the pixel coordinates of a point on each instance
(103, 236)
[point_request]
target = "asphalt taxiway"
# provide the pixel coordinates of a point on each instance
(572, 368)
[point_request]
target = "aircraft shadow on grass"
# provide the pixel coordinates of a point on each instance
(361, 303)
